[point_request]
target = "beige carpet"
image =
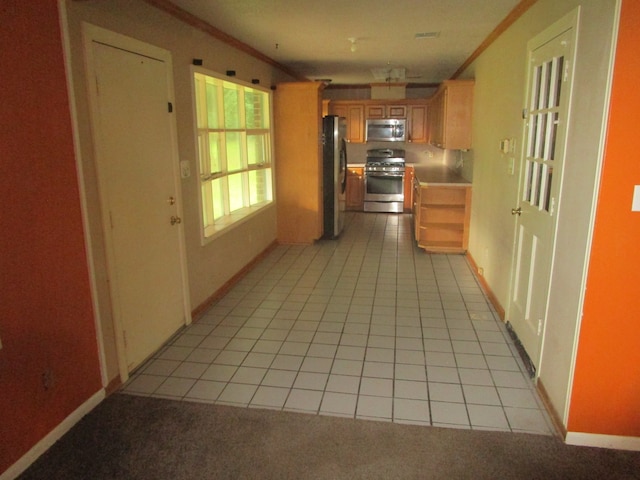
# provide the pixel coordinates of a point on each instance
(129, 437)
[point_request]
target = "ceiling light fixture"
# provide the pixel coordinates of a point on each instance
(354, 47)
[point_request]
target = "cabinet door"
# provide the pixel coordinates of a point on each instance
(408, 188)
(450, 111)
(396, 111)
(457, 116)
(436, 119)
(416, 209)
(375, 111)
(383, 110)
(417, 124)
(339, 110)
(355, 123)
(355, 189)
(354, 115)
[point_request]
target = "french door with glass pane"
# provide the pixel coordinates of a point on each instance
(548, 95)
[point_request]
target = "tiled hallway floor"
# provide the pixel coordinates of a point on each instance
(366, 326)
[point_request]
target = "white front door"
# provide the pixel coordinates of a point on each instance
(135, 150)
(550, 70)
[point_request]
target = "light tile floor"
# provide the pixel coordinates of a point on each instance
(366, 326)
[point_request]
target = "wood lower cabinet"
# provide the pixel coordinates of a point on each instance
(355, 189)
(441, 216)
(408, 187)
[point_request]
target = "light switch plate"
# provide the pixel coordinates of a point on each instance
(185, 169)
(635, 205)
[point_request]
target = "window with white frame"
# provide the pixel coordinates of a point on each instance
(234, 148)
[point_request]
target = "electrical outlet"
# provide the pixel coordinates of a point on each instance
(48, 379)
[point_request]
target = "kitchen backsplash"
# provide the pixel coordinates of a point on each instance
(416, 153)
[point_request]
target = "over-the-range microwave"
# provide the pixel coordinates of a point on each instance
(385, 130)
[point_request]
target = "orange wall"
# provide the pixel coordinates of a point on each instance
(606, 389)
(46, 316)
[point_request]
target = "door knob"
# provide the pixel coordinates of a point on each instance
(516, 211)
(175, 220)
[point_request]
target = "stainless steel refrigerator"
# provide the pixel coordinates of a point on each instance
(334, 174)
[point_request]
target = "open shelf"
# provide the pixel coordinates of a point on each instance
(442, 215)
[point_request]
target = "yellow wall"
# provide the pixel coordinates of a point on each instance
(498, 102)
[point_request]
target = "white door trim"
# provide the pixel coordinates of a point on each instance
(592, 221)
(73, 111)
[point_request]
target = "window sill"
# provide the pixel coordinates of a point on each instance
(229, 222)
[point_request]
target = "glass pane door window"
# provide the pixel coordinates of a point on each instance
(544, 108)
(234, 143)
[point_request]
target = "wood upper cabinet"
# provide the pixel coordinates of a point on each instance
(450, 112)
(383, 110)
(298, 150)
(355, 189)
(417, 127)
(354, 115)
(357, 112)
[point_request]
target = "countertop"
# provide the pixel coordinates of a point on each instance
(439, 174)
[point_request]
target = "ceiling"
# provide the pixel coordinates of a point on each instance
(344, 40)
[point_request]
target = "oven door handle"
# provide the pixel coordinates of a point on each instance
(384, 174)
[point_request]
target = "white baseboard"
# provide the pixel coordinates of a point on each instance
(52, 437)
(602, 441)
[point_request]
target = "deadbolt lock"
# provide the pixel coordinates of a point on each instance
(171, 200)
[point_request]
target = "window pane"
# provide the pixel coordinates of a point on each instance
(236, 195)
(201, 104)
(256, 109)
(231, 106)
(260, 186)
(234, 151)
(215, 148)
(212, 103)
(257, 149)
(547, 199)
(218, 198)
(234, 145)
(207, 204)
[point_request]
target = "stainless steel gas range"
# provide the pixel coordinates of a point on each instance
(384, 180)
